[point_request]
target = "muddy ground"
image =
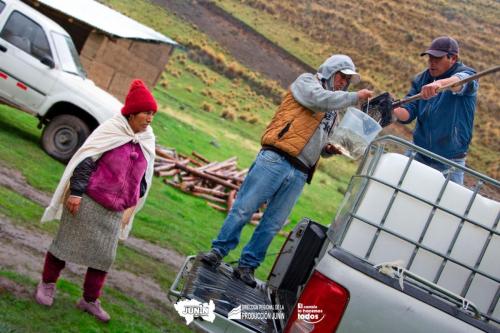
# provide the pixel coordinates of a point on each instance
(22, 250)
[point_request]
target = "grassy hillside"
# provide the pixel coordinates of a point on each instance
(170, 218)
(200, 109)
(385, 39)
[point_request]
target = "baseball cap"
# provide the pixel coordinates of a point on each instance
(338, 63)
(355, 78)
(442, 46)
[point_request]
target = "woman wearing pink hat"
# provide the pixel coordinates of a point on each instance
(103, 186)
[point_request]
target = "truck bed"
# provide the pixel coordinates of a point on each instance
(275, 298)
(205, 283)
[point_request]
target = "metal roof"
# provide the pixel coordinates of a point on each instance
(107, 20)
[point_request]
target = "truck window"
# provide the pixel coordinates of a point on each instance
(2, 6)
(26, 35)
(66, 51)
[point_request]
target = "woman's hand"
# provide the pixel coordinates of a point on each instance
(73, 204)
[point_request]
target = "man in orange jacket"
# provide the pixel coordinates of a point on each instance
(291, 146)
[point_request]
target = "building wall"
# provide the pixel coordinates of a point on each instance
(113, 63)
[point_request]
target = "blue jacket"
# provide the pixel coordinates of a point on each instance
(444, 122)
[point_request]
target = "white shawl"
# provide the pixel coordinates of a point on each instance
(112, 133)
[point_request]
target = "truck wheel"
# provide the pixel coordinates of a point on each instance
(63, 135)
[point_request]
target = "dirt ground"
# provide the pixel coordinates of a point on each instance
(22, 250)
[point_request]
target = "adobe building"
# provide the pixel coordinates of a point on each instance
(113, 48)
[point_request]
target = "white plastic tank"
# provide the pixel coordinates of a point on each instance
(407, 216)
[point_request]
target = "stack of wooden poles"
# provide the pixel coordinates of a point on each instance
(216, 182)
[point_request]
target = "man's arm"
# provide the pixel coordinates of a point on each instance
(430, 90)
(405, 114)
(408, 113)
(309, 92)
(401, 113)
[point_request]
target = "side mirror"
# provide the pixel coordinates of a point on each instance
(47, 60)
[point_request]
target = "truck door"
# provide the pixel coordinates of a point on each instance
(7, 84)
(26, 60)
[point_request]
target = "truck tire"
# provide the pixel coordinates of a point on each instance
(63, 135)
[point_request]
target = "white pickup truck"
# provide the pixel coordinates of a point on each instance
(408, 251)
(40, 73)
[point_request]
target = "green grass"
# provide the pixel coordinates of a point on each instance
(19, 313)
(19, 144)
(170, 218)
(226, 92)
(141, 265)
(23, 210)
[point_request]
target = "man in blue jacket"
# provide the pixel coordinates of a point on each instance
(444, 120)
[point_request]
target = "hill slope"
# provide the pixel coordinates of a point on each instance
(385, 38)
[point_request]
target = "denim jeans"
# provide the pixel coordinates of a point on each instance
(271, 179)
(456, 175)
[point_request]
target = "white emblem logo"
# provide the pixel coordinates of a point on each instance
(235, 313)
(310, 313)
(190, 309)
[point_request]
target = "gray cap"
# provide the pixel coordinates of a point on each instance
(442, 46)
(338, 63)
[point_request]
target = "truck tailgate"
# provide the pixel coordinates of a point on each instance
(205, 283)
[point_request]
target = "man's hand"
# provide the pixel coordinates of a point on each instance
(364, 94)
(331, 149)
(401, 113)
(430, 90)
(73, 204)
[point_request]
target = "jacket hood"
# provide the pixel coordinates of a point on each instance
(338, 63)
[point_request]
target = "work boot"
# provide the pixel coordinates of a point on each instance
(94, 308)
(45, 293)
(212, 258)
(245, 274)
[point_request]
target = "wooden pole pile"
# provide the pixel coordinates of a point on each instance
(216, 182)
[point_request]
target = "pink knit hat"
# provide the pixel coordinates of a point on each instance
(139, 99)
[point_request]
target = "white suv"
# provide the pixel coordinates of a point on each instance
(40, 72)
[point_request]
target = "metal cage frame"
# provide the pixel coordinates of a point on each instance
(356, 191)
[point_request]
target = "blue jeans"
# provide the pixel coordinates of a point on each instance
(456, 175)
(271, 179)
